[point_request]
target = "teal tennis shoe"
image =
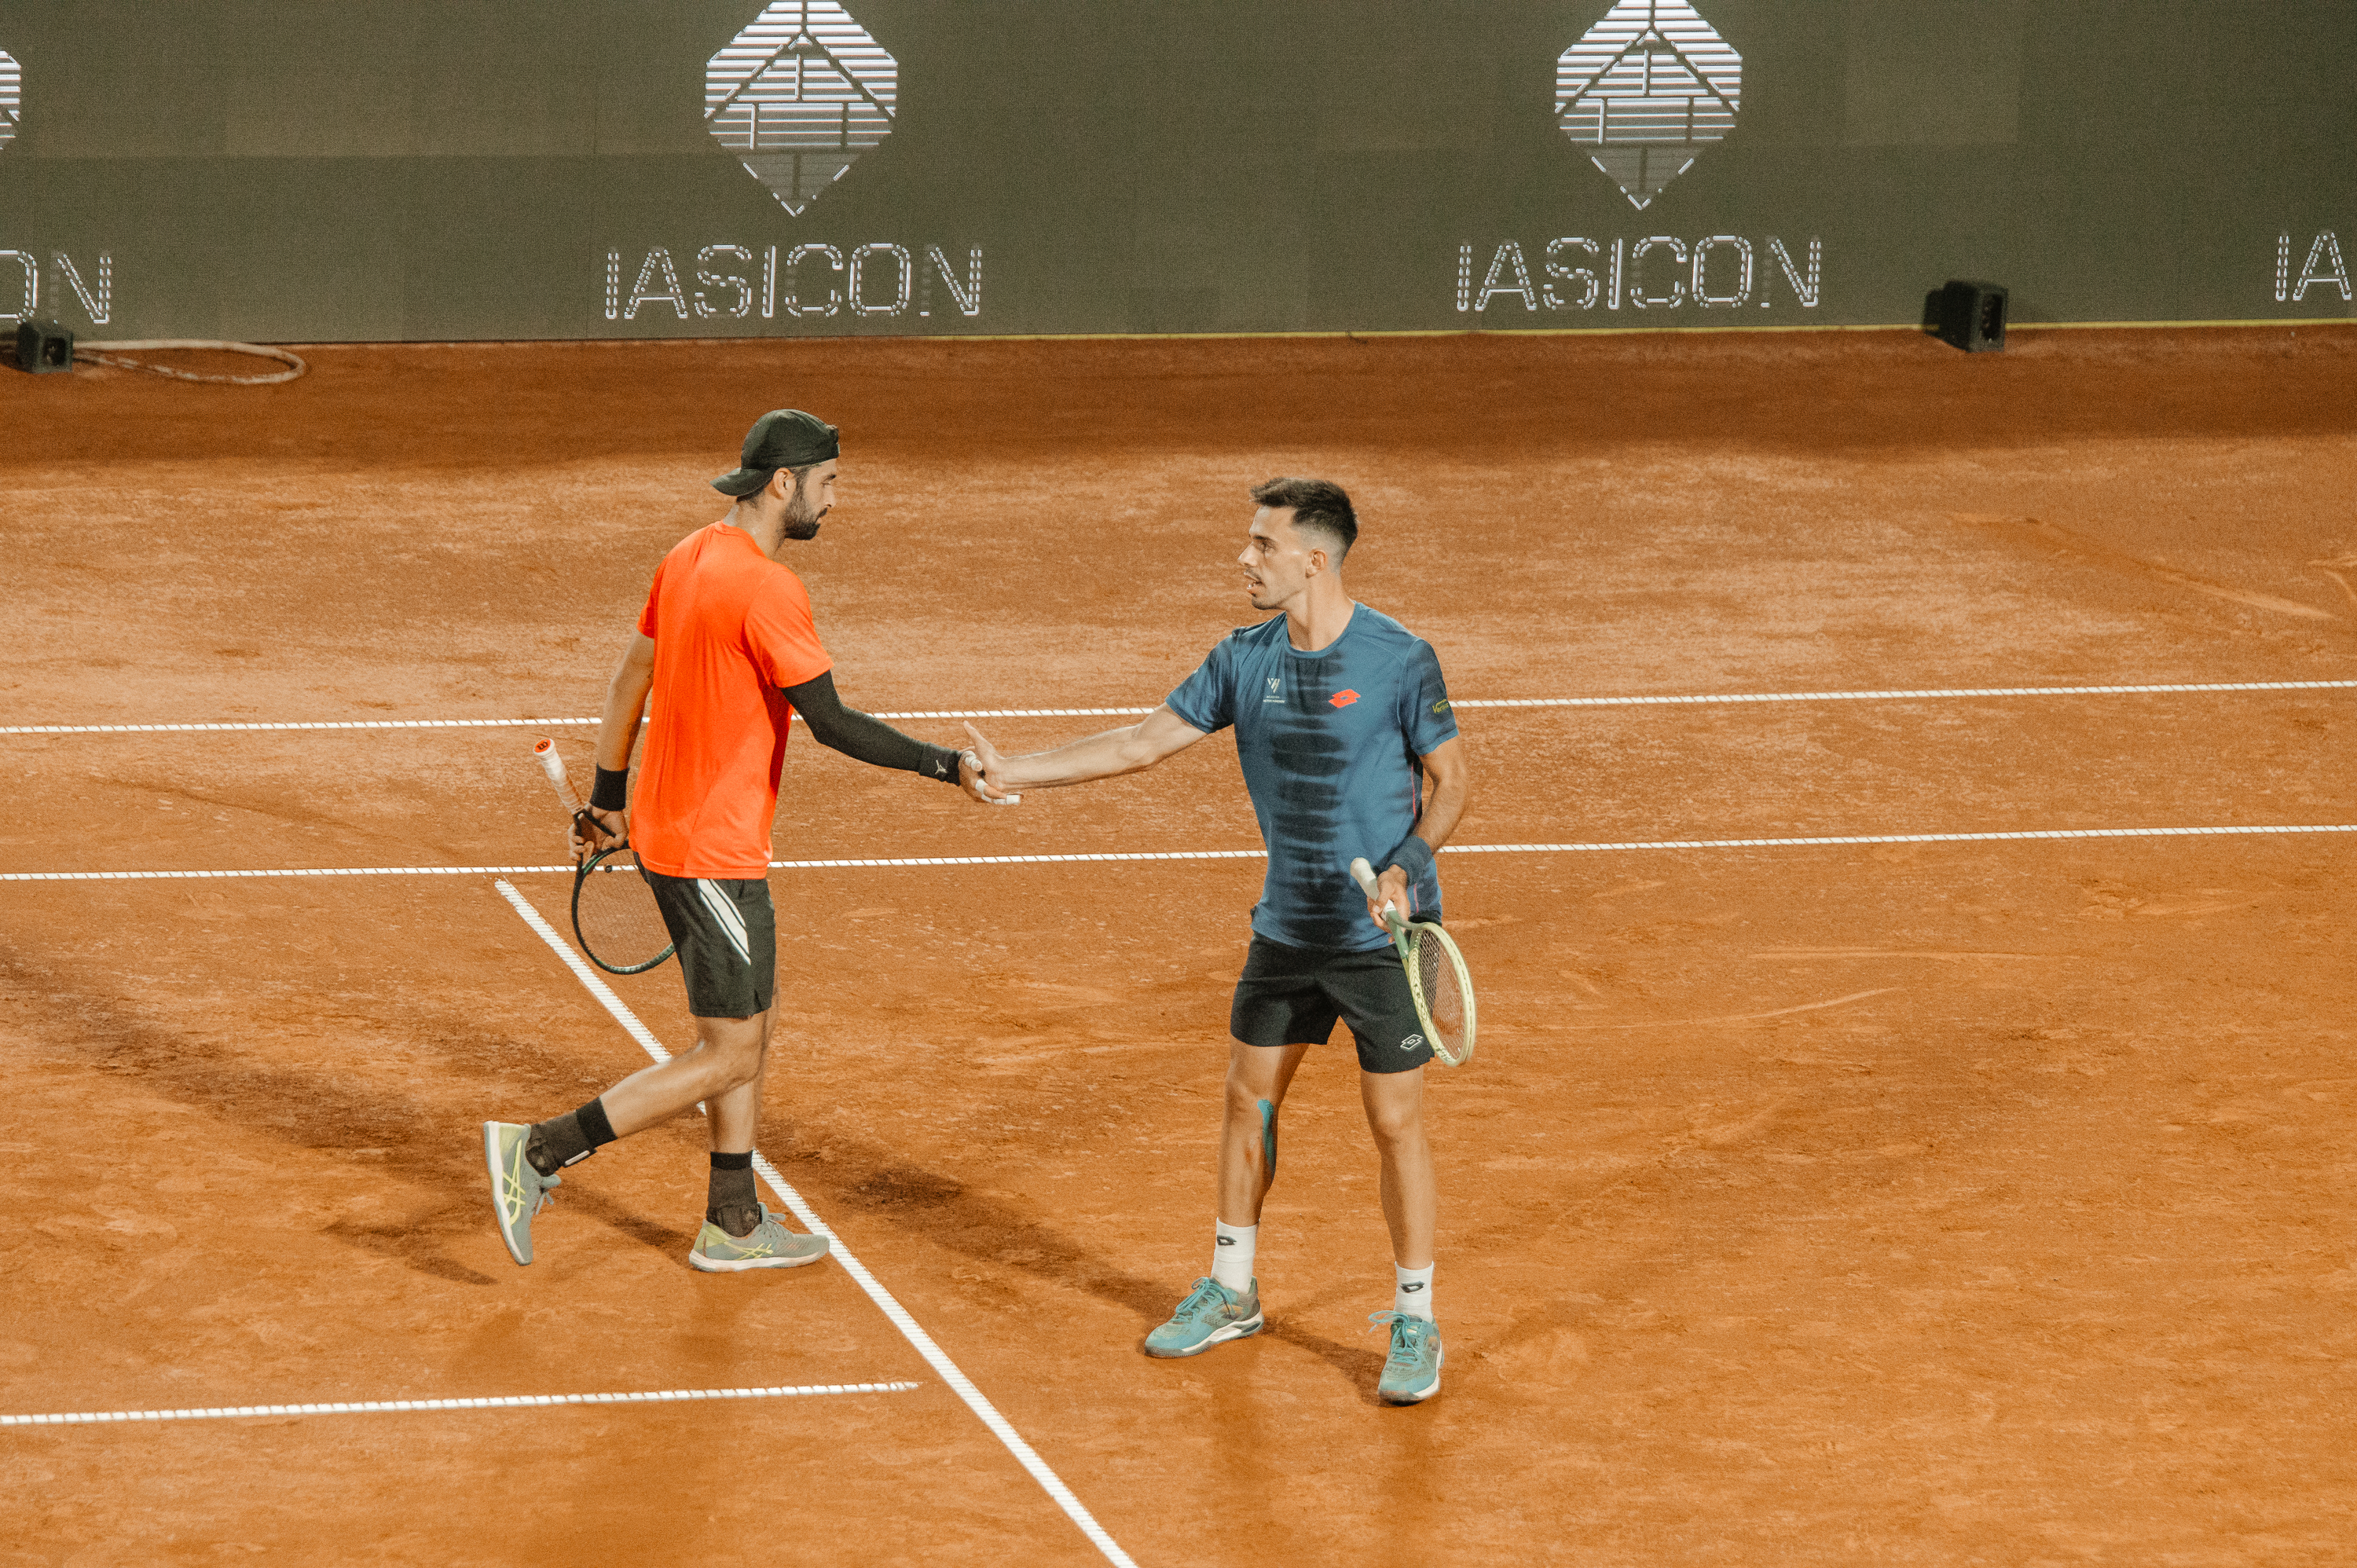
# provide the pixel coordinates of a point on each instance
(1412, 1371)
(1212, 1315)
(518, 1191)
(768, 1245)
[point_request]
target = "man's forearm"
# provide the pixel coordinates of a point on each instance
(864, 738)
(1446, 790)
(1106, 755)
(1442, 810)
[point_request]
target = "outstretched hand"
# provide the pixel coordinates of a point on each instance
(988, 769)
(979, 772)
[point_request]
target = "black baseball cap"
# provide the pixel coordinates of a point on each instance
(781, 438)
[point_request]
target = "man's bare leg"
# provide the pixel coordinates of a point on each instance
(736, 1113)
(1226, 1306)
(1395, 1102)
(725, 1071)
(1258, 1077)
(727, 1059)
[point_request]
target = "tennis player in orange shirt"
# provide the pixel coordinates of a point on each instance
(728, 649)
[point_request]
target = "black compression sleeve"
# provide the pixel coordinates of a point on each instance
(863, 739)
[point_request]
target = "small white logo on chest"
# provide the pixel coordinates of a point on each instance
(1275, 695)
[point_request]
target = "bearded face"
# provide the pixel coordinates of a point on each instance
(802, 518)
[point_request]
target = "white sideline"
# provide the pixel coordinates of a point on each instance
(933, 1354)
(1828, 840)
(1925, 695)
(505, 1401)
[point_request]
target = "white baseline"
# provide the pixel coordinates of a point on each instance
(502, 1402)
(2030, 835)
(1925, 694)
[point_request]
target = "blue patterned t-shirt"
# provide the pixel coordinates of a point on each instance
(1328, 742)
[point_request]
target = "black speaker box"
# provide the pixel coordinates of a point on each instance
(43, 346)
(1968, 316)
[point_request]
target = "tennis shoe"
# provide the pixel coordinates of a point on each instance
(518, 1191)
(768, 1245)
(1212, 1315)
(1412, 1371)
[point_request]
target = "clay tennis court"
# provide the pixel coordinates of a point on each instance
(1954, 1202)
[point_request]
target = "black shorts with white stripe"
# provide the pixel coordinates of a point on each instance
(727, 935)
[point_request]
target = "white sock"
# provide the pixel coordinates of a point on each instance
(1412, 1292)
(1232, 1256)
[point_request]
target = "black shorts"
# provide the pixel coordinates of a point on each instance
(1290, 997)
(727, 937)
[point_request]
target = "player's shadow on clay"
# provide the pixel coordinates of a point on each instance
(375, 1134)
(853, 1177)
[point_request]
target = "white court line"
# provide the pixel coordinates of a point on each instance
(508, 723)
(1921, 695)
(933, 1354)
(506, 1402)
(2038, 834)
(1928, 694)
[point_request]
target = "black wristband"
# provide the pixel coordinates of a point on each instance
(1413, 856)
(939, 762)
(612, 791)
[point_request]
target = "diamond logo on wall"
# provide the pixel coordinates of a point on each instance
(1645, 91)
(798, 95)
(12, 98)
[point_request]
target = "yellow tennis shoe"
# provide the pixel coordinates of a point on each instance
(518, 1191)
(768, 1245)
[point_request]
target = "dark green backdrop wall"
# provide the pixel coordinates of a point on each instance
(379, 169)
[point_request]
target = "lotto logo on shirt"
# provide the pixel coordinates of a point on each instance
(1343, 699)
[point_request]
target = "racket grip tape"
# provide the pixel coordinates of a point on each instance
(544, 753)
(1364, 875)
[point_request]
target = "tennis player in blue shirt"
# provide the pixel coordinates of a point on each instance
(1349, 748)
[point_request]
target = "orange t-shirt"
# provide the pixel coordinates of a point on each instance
(730, 626)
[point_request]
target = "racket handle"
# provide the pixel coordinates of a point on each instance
(1364, 875)
(551, 764)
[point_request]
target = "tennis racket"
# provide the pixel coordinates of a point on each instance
(1437, 976)
(615, 917)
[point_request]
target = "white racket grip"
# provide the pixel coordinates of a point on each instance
(544, 753)
(1364, 875)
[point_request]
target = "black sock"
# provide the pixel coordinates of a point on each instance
(568, 1139)
(733, 1206)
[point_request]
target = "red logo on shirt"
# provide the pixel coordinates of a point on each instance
(1343, 699)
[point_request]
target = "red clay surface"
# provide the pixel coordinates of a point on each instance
(1928, 1203)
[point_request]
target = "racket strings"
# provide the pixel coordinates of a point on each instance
(1444, 995)
(617, 919)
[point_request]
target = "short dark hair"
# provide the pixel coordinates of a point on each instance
(1320, 504)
